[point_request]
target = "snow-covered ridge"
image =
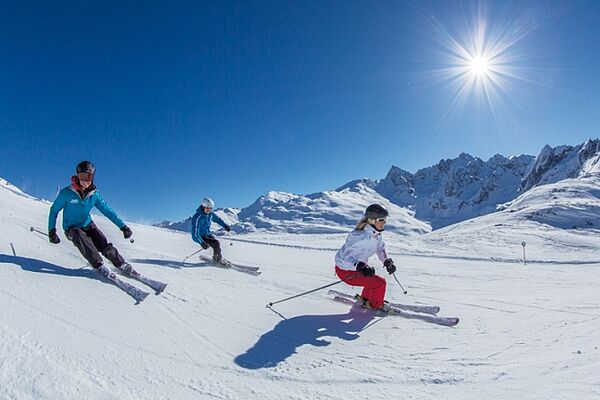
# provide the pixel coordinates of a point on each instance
(333, 211)
(229, 215)
(562, 162)
(456, 189)
(567, 204)
(451, 191)
(9, 186)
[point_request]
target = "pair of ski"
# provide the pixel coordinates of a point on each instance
(223, 263)
(415, 311)
(138, 294)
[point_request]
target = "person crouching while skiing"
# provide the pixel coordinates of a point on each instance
(352, 259)
(77, 201)
(201, 233)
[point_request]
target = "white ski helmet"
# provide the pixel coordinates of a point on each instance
(208, 203)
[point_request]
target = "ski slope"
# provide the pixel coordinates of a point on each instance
(527, 331)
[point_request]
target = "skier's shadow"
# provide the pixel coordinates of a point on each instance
(35, 265)
(172, 263)
(288, 335)
(162, 263)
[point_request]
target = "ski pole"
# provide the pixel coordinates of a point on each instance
(310, 291)
(32, 229)
(402, 287)
(196, 252)
(301, 294)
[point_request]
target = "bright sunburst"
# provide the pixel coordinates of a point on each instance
(480, 61)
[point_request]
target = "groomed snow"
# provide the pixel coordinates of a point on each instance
(527, 331)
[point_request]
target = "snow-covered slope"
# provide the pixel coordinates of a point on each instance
(526, 331)
(456, 189)
(229, 215)
(560, 219)
(325, 212)
(451, 191)
(335, 211)
(562, 162)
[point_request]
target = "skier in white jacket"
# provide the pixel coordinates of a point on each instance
(352, 259)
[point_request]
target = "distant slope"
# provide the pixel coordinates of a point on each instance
(451, 191)
(562, 217)
(229, 215)
(325, 212)
(562, 162)
(456, 189)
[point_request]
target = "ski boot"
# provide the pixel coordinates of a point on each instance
(364, 303)
(103, 270)
(128, 270)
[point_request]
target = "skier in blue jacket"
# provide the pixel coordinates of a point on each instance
(76, 201)
(201, 233)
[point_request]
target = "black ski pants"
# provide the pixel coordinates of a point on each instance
(215, 244)
(90, 240)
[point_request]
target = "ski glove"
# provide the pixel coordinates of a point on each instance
(389, 265)
(227, 228)
(365, 269)
(204, 245)
(54, 239)
(126, 232)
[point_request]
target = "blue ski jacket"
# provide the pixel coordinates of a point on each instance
(76, 211)
(201, 224)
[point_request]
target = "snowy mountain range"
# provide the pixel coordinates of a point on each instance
(451, 191)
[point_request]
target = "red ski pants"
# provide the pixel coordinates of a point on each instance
(373, 286)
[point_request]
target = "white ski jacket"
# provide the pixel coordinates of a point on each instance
(359, 246)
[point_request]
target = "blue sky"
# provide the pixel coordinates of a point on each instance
(177, 100)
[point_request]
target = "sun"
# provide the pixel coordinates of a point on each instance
(479, 61)
(479, 66)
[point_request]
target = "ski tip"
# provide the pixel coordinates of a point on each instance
(140, 299)
(162, 289)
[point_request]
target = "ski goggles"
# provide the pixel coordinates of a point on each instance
(85, 176)
(380, 219)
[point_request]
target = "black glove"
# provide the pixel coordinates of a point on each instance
(365, 269)
(54, 239)
(389, 265)
(204, 245)
(126, 232)
(227, 228)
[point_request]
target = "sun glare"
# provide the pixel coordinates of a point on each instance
(480, 59)
(479, 66)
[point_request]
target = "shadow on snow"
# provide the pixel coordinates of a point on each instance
(35, 265)
(288, 335)
(172, 263)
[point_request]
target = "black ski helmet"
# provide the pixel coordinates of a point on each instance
(86, 166)
(375, 211)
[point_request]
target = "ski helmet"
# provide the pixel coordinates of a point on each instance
(375, 211)
(86, 166)
(208, 202)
